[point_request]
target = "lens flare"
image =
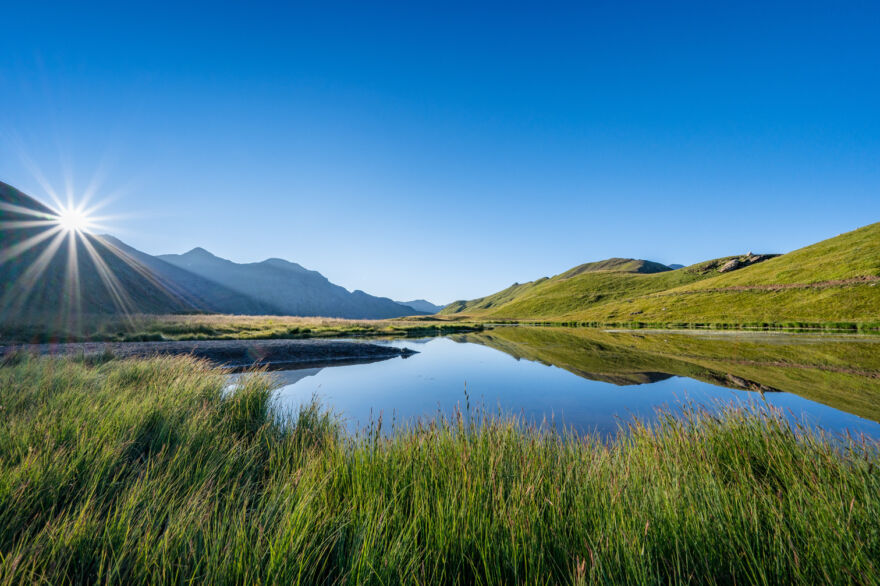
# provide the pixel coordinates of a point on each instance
(74, 220)
(33, 235)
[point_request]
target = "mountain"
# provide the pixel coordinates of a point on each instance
(422, 306)
(203, 294)
(38, 260)
(837, 280)
(50, 274)
(675, 266)
(287, 287)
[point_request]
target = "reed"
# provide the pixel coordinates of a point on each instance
(146, 471)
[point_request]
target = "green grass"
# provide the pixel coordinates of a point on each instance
(145, 472)
(849, 255)
(700, 294)
(154, 328)
(627, 265)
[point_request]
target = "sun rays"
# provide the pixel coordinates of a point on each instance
(74, 219)
(35, 236)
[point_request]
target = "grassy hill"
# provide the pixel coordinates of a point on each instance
(837, 280)
(624, 265)
(578, 289)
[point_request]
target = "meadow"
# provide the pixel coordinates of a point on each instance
(145, 471)
(156, 328)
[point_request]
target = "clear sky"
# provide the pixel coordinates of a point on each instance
(448, 150)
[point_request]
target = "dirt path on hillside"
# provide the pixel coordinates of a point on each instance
(782, 286)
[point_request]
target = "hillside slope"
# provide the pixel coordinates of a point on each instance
(833, 280)
(576, 287)
(49, 274)
(579, 288)
(199, 292)
(621, 265)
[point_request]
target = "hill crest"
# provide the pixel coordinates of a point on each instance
(836, 280)
(616, 264)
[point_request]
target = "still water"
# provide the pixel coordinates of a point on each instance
(594, 381)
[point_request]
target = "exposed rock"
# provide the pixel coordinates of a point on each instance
(749, 259)
(730, 266)
(750, 385)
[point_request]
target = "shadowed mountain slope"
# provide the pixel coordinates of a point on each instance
(422, 305)
(288, 287)
(201, 293)
(50, 274)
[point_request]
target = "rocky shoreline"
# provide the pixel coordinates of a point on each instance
(234, 354)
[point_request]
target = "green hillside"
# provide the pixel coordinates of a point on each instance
(623, 265)
(833, 281)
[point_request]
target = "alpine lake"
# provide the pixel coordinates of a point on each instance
(593, 381)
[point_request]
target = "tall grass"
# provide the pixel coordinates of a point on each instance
(149, 471)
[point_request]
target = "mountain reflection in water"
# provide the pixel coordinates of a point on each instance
(593, 380)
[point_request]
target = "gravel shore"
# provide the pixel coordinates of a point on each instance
(236, 354)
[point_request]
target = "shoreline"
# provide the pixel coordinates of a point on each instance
(234, 354)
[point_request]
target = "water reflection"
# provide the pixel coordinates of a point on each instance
(594, 380)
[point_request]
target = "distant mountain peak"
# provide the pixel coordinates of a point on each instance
(422, 305)
(199, 252)
(280, 262)
(287, 287)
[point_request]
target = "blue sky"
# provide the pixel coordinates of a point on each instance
(449, 149)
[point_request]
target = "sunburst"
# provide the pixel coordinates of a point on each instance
(75, 219)
(69, 230)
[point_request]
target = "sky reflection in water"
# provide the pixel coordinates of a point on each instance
(434, 381)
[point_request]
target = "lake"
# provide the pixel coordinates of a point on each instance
(595, 380)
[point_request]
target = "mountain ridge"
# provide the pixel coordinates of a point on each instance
(624, 265)
(37, 261)
(46, 273)
(422, 305)
(289, 287)
(202, 294)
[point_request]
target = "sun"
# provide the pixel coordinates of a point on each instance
(74, 220)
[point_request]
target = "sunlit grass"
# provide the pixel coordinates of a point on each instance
(132, 328)
(831, 282)
(148, 471)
